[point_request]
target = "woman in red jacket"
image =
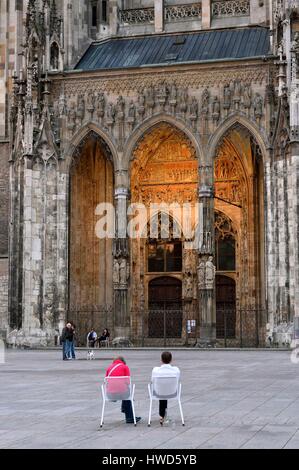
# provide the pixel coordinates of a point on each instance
(115, 389)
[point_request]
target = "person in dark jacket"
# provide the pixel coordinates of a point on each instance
(67, 338)
(73, 355)
(63, 340)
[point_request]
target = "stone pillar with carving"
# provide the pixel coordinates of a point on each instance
(121, 271)
(294, 175)
(206, 250)
(159, 16)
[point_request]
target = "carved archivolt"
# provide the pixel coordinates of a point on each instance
(230, 180)
(164, 168)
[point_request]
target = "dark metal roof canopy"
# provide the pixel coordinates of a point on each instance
(228, 44)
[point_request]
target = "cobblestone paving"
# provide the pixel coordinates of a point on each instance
(231, 399)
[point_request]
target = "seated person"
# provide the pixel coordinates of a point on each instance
(116, 390)
(92, 338)
(165, 370)
(105, 336)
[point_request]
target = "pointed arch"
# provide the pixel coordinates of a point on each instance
(155, 121)
(82, 135)
(231, 123)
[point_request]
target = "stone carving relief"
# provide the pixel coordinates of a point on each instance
(230, 182)
(206, 272)
(182, 12)
(164, 168)
(146, 83)
(189, 268)
(170, 96)
(188, 287)
(228, 8)
(223, 226)
(137, 16)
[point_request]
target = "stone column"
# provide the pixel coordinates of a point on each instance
(62, 248)
(293, 223)
(113, 17)
(68, 32)
(121, 266)
(32, 252)
(206, 249)
(206, 14)
(270, 236)
(159, 16)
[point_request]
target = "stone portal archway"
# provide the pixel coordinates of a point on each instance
(164, 171)
(239, 223)
(90, 258)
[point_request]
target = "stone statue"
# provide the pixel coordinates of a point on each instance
(258, 106)
(111, 112)
(162, 92)
(188, 286)
(123, 273)
(120, 107)
(100, 105)
(72, 116)
(188, 260)
(116, 271)
(205, 102)
(194, 107)
(183, 100)
(210, 273)
(296, 43)
(81, 107)
(90, 102)
(237, 94)
(173, 94)
(150, 98)
(141, 104)
(132, 111)
(227, 97)
(247, 96)
(216, 109)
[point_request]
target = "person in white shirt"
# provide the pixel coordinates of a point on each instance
(165, 370)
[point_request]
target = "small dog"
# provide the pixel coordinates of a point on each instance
(90, 355)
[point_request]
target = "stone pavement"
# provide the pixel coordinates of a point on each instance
(231, 399)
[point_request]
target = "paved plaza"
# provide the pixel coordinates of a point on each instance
(231, 399)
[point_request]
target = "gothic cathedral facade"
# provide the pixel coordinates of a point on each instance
(112, 112)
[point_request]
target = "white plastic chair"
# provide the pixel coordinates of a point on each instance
(165, 388)
(117, 389)
(104, 343)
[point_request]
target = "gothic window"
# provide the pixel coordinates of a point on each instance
(226, 254)
(225, 242)
(164, 249)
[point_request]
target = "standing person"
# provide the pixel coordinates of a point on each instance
(63, 340)
(165, 370)
(118, 368)
(67, 340)
(73, 355)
